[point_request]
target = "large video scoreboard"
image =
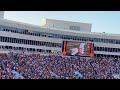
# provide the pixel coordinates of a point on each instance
(73, 48)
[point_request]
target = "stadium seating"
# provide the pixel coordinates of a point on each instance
(37, 66)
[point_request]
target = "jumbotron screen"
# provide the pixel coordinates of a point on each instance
(73, 48)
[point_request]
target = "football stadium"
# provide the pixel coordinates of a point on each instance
(57, 50)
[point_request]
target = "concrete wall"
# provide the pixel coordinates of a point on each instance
(65, 25)
(1, 14)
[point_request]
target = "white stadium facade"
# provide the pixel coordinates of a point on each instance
(48, 37)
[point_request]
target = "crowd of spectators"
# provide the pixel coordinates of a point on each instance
(37, 66)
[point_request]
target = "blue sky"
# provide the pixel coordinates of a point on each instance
(102, 21)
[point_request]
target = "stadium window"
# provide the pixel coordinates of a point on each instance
(0, 38)
(20, 41)
(107, 40)
(110, 41)
(39, 50)
(35, 34)
(27, 42)
(6, 47)
(105, 49)
(22, 48)
(16, 48)
(11, 40)
(60, 45)
(94, 39)
(15, 40)
(46, 50)
(15, 31)
(29, 33)
(3, 39)
(55, 44)
(8, 39)
(118, 41)
(98, 40)
(3, 47)
(70, 37)
(83, 38)
(28, 49)
(37, 43)
(102, 40)
(24, 42)
(45, 43)
(110, 49)
(113, 41)
(102, 49)
(87, 39)
(33, 49)
(97, 48)
(34, 42)
(113, 49)
(19, 48)
(30, 43)
(118, 49)
(42, 43)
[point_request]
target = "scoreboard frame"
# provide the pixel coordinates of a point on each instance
(64, 47)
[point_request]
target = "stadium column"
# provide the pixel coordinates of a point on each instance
(64, 48)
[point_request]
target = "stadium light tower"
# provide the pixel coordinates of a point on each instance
(1, 14)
